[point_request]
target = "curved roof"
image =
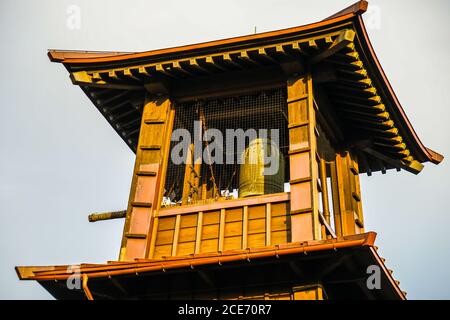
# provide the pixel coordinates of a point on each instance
(344, 254)
(117, 82)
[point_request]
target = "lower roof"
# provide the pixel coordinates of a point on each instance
(339, 265)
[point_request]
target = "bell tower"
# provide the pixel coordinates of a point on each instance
(249, 151)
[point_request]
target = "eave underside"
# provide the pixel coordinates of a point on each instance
(340, 266)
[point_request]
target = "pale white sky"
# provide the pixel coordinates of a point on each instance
(60, 160)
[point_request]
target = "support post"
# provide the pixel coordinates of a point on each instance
(302, 159)
(148, 178)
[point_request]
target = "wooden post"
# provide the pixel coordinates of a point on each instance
(148, 178)
(302, 159)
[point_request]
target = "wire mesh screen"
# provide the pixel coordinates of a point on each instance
(258, 110)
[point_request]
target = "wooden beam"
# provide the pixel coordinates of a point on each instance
(345, 37)
(413, 167)
(82, 78)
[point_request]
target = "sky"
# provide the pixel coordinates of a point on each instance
(60, 160)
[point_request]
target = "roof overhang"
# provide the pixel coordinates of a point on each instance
(339, 265)
(337, 50)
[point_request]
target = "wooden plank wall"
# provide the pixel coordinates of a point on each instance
(234, 228)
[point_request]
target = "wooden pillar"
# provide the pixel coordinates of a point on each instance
(347, 205)
(147, 185)
(353, 168)
(302, 159)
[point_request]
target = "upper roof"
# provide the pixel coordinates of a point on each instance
(369, 116)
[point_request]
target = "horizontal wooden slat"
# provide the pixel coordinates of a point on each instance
(136, 235)
(227, 204)
(141, 204)
(146, 173)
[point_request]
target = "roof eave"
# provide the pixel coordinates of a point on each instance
(427, 154)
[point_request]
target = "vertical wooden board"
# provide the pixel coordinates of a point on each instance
(232, 243)
(309, 294)
(297, 112)
(337, 203)
(298, 138)
(185, 248)
(149, 167)
(301, 227)
(257, 226)
(211, 217)
(140, 219)
(221, 229)
(280, 209)
(198, 236)
(153, 234)
(300, 196)
(245, 228)
(211, 245)
(280, 237)
(233, 229)
(176, 235)
(210, 232)
(299, 166)
(188, 220)
(280, 223)
(162, 251)
(152, 134)
(187, 234)
(268, 224)
(164, 237)
(255, 212)
(135, 248)
(166, 223)
(145, 189)
(256, 240)
(325, 195)
(150, 156)
(233, 214)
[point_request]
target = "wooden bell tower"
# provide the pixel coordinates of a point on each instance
(190, 231)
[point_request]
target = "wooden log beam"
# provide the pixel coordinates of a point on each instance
(107, 215)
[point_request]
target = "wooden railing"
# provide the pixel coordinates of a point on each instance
(220, 226)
